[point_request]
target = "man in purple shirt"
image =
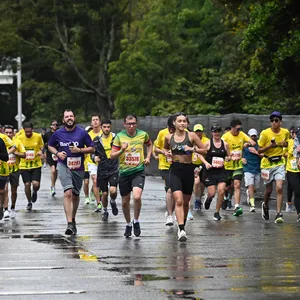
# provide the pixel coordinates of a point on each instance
(69, 144)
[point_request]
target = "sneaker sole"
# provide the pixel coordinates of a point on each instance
(279, 221)
(237, 214)
(182, 239)
(169, 224)
(69, 232)
(266, 218)
(217, 219)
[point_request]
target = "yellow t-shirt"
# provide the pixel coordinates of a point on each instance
(106, 142)
(291, 162)
(196, 159)
(4, 169)
(163, 163)
(32, 146)
(87, 158)
(265, 139)
(236, 145)
(14, 161)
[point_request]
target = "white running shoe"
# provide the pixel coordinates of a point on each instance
(289, 207)
(190, 216)
(182, 236)
(52, 191)
(6, 215)
(12, 213)
(170, 221)
(87, 200)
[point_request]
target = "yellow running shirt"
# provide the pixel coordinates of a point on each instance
(265, 139)
(4, 169)
(87, 157)
(163, 163)
(291, 162)
(236, 145)
(14, 161)
(32, 146)
(196, 159)
(132, 159)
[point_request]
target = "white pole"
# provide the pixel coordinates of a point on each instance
(19, 82)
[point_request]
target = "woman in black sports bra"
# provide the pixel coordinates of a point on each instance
(180, 146)
(214, 173)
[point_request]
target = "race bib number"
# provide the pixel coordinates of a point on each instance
(236, 154)
(73, 163)
(30, 154)
(217, 162)
(265, 174)
(294, 164)
(12, 159)
(132, 159)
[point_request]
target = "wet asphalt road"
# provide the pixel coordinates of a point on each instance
(237, 258)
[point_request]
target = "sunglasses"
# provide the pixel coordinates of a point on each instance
(130, 124)
(239, 129)
(8, 127)
(274, 120)
(54, 124)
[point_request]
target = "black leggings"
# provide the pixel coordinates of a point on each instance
(294, 182)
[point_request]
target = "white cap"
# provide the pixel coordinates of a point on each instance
(252, 132)
(87, 128)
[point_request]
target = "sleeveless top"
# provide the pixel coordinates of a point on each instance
(177, 148)
(216, 156)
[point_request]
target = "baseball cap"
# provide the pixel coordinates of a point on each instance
(252, 132)
(198, 127)
(276, 114)
(216, 127)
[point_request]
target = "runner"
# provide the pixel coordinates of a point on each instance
(251, 167)
(108, 169)
(236, 139)
(164, 167)
(199, 182)
(14, 174)
(50, 158)
(4, 172)
(180, 146)
(128, 146)
(92, 166)
(30, 166)
(72, 143)
(271, 142)
(214, 174)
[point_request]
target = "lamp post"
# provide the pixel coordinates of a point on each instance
(19, 82)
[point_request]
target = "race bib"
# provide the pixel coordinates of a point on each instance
(294, 164)
(132, 159)
(30, 154)
(236, 154)
(54, 157)
(265, 174)
(12, 159)
(217, 162)
(73, 163)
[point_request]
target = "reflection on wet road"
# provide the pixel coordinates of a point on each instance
(237, 258)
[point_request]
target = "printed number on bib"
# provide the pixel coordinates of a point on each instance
(12, 159)
(294, 164)
(217, 162)
(236, 154)
(132, 159)
(30, 154)
(74, 163)
(265, 174)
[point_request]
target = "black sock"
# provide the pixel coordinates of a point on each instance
(73, 220)
(12, 207)
(181, 227)
(184, 222)
(5, 208)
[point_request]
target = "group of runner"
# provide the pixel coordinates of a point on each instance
(189, 162)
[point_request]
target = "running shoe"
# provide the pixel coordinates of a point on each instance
(182, 236)
(224, 204)
(207, 202)
(217, 216)
(252, 209)
(265, 211)
(75, 227)
(52, 191)
(136, 229)
(92, 195)
(289, 207)
(70, 229)
(229, 204)
(29, 206)
(105, 216)
(6, 215)
(1, 213)
(197, 205)
(99, 207)
(190, 216)
(238, 211)
(128, 231)
(279, 218)
(87, 200)
(170, 221)
(12, 213)
(45, 166)
(114, 207)
(34, 197)
(298, 218)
